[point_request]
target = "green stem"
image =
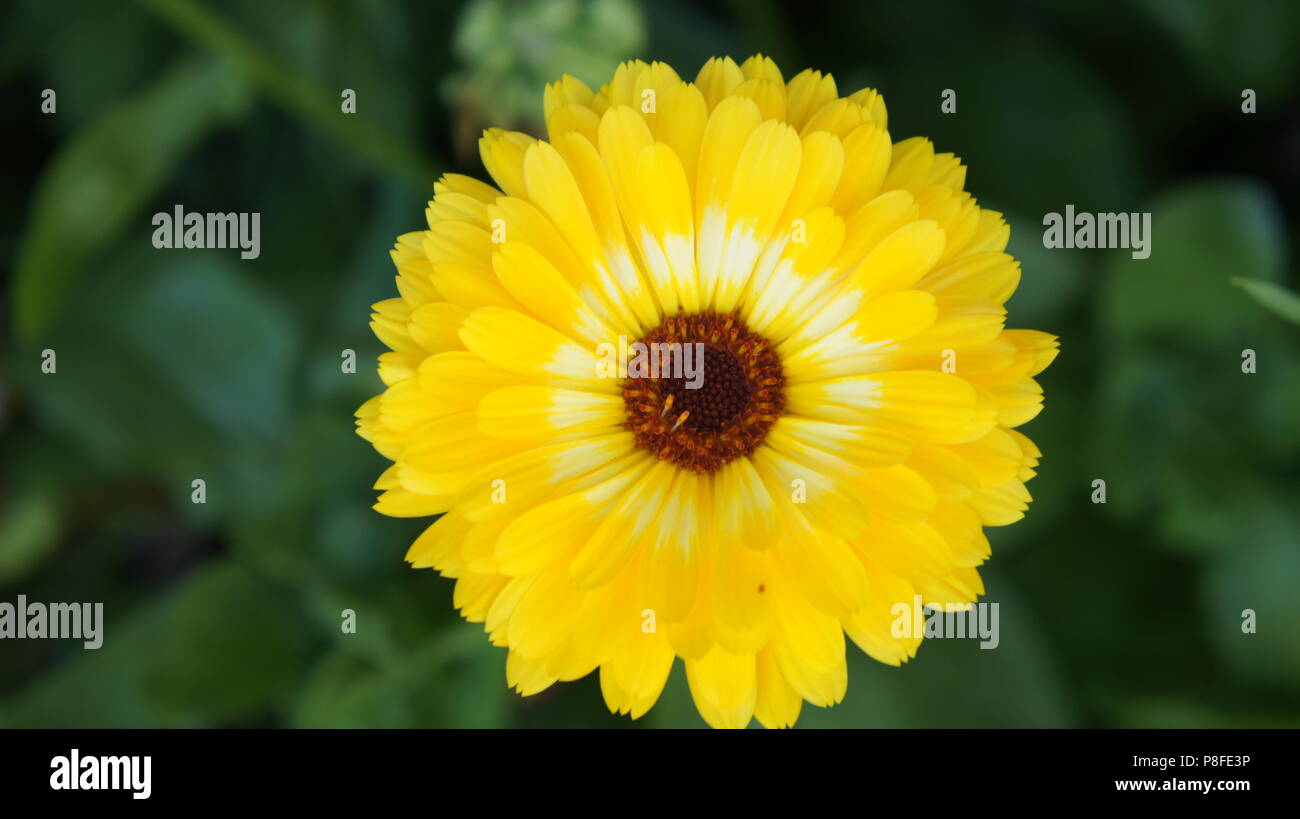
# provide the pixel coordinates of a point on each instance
(281, 83)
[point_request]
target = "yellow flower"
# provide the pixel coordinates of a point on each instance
(851, 436)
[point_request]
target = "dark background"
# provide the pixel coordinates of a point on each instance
(176, 365)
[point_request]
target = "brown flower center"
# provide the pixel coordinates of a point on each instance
(703, 406)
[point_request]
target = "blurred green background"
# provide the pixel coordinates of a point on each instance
(181, 365)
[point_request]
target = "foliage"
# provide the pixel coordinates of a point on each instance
(181, 365)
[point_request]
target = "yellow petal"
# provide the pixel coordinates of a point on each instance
(524, 345)
(724, 687)
(777, 704)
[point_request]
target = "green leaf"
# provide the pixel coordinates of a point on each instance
(1131, 452)
(29, 523)
(1234, 44)
(1202, 234)
(1278, 299)
(1028, 112)
(454, 680)
(1191, 444)
(224, 647)
(1148, 712)
(343, 691)
(1205, 507)
(235, 364)
(1183, 436)
(98, 182)
(1257, 573)
(172, 363)
(278, 79)
(93, 61)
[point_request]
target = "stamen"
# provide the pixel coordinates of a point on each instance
(681, 419)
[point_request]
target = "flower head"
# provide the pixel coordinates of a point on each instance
(850, 432)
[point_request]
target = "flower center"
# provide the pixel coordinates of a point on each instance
(710, 393)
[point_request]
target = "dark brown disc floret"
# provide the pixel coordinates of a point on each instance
(703, 406)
